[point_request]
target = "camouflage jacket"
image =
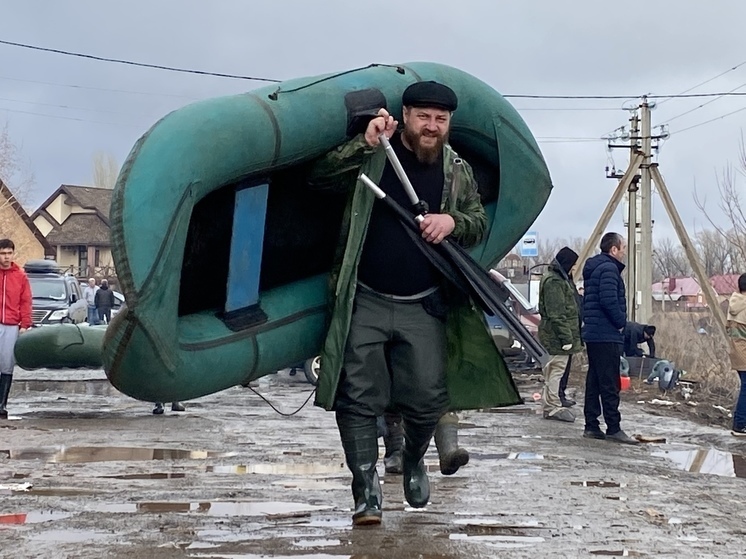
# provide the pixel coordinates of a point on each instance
(560, 316)
(340, 169)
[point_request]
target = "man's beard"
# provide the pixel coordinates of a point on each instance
(426, 155)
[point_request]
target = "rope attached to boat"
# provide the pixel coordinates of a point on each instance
(271, 405)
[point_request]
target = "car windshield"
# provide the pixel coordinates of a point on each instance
(53, 289)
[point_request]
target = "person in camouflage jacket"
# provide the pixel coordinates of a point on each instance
(450, 361)
(559, 329)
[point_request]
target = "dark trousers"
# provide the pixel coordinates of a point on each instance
(602, 386)
(565, 378)
(394, 361)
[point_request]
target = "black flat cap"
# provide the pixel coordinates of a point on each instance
(430, 94)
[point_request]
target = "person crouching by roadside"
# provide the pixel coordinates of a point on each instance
(559, 329)
(737, 333)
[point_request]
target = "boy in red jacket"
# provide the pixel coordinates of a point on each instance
(15, 316)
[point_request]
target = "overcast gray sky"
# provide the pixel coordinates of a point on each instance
(62, 109)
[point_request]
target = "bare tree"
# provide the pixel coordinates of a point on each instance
(732, 229)
(669, 260)
(105, 169)
(18, 179)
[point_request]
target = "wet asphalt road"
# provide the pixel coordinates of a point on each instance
(231, 478)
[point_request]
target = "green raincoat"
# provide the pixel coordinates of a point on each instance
(477, 376)
(560, 317)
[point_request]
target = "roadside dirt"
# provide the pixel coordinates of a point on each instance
(231, 478)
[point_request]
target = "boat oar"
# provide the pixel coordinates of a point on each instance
(462, 269)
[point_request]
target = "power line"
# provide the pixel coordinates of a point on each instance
(152, 93)
(140, 64)
(272, 80)
(736, 67)
(649, 96)
(708, 121)
(703, 104)
(72, 108)
(68, 117)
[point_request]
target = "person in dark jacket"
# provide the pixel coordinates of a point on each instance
(635, 334)
(104, 301)
(559, 330)
(604, 319)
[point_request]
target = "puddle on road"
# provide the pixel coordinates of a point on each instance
(157, 475)
(317, 543)
(34, 517)
(88, 387)
(598, 484)
(507, 456)
(214, 508)
(82, 454)
(69, 536)
(281, 469)
(263, 556)
(706, 461)
(500, 542)
(512, 409)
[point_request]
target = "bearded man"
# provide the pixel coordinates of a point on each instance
(386, 348)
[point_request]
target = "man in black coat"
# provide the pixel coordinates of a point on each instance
(604, 320)
(635, 334)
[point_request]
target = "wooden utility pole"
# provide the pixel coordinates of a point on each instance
(699, 270)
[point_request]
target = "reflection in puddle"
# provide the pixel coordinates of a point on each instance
(157, 475)
(616, 553)
(501, 542)
(706, 461)
(317, 543)
(598, 484)
(68, 536)
(83, 454)
(33, 517)
(508, 456)
(215, 508)
(243, 556)
(88, 387)
(280, 469)
(511, 409)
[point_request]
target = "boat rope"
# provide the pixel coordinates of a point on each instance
(273, 96)
(271, 405)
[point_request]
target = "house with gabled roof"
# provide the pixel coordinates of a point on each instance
(75, 221)
(16, 224)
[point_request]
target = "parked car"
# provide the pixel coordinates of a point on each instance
(56, 297)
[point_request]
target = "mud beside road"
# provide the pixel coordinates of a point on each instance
(232, 478)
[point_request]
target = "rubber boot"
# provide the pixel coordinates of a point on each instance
(177, 406)
(5, 382)
(446, 440)
(393, 440)
(416, 484)
(158, 409)
(360, 442)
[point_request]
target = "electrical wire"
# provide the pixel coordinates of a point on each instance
(68, 117)
(272, 80)
(140, 64)
(736, 67)
(708, 121)
(702, 105)
(73, 108)
(56, 84)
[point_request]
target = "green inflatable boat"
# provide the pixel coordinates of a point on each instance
(223, 250)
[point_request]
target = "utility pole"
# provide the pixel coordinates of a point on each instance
(641, 173)
(645, 265)
(632, 275)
